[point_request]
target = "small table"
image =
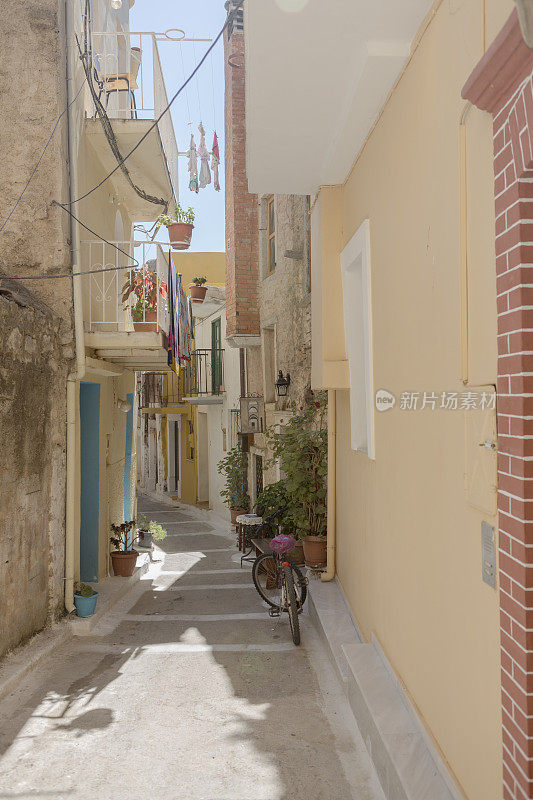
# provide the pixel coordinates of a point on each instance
(247, 524)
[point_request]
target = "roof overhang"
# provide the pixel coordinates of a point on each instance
(316, 80)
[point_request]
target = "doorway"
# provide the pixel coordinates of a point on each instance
(89, 479)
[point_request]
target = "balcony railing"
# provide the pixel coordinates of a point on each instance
(207, 372)
(133, 294)
(129, 80)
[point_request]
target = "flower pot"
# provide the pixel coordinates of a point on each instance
(180, 234)
(149, 323)
(236, 512)
(197, 292)
(85, 605)
(315, 551)
(124, 562)
(144, 539)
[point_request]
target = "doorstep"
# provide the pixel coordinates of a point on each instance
(406, 761)
(110, 591)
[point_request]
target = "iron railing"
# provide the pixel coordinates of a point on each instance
(132, 294)
(129, 80)
(207, 372)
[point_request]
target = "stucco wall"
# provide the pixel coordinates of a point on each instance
(35, 352)
(409, 535)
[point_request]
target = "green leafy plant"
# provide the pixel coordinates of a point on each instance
(301, 447)
(83, 590)
(142, 284)
(180, 215)
(234, 467)
(142, 522)
(273, 498)
(199, 281)
(122, 537)
(157, 531)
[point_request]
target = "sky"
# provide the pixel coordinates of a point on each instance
(203, 100)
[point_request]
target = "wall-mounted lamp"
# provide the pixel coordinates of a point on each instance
(124, 405)
(282, 384)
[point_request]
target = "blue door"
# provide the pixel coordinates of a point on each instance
(90, 479)
(127, 460)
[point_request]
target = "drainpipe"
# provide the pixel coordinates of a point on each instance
(329, 574)
(74, 377)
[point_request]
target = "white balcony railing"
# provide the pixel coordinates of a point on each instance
(130, 83)
(127, 298)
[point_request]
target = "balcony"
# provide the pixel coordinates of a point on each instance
(128, 81)
(126, 309)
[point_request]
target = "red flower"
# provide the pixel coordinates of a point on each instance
(301, 408)
(317, 404)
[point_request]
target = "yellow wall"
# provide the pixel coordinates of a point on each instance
(197, 265)
(409, 540)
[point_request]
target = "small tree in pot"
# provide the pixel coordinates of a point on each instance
(301, 446)
(234, 467)
(273, 498)
(123, 557)
(179, 225)
(148, 532)
(197, 290)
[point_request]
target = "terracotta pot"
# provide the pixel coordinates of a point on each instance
(197, 292)
(180, 234)
(315, 551)
(234, 513)
(124, 563)
(149, 324)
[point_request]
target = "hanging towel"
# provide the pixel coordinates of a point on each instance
(193, 166)
(205, 172)
(215, 161)
(173, 302)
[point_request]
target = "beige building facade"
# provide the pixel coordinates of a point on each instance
(405, 338)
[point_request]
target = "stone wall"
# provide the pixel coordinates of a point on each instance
(33, 95)
(35, 354)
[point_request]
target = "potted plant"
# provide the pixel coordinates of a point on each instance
(124, 557)
(179, 226)
(197, 290)
(149, 531)
(85, 599)
(301, 447)
(272, 498)
(234, 466)
(142, 284)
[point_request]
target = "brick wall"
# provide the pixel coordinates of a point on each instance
(502, 83)
(242, 302)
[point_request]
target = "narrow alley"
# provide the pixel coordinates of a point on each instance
(187, 689)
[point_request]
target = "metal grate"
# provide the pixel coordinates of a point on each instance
(234, 427)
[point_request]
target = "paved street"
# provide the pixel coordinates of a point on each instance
(186, 690)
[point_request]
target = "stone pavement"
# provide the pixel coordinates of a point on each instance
(186, 690)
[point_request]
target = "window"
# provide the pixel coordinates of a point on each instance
(216, 357)
(271, 236)
(356, 289)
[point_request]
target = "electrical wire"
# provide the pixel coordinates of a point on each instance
(189, 121)
(21, 195)
(229, 19)
(197, 82)
(213, 93)
(135, 265)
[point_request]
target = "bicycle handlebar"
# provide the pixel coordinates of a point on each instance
(274, 515)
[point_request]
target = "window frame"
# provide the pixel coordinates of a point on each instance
(357, 304)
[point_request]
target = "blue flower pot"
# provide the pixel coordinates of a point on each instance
(85, 605)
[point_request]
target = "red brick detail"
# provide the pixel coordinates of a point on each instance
(502, 83)
(242, 220)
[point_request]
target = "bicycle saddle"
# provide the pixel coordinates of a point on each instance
(282, 544)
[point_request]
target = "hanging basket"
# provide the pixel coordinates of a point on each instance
(180, 234)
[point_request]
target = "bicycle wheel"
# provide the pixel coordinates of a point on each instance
(266, 575)
(292, 604)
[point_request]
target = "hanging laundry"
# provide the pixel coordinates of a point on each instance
(173, 332)
(193, 166)
(215, 161)
(205, 172)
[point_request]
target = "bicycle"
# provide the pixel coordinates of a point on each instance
(281, 584)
